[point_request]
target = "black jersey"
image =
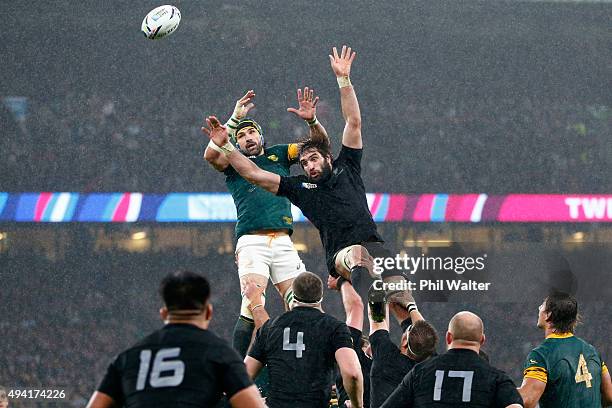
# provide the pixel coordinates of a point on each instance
(389, 366)
(458, 378)
(299, 349)
(179, 365)
(336, 206)
(366, 364)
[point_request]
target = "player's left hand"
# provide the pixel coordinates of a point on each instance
(341, 64)
(398, 311)
(307, 104)
(216, 131)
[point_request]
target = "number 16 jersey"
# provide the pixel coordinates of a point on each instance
(177, 366)
(299, 349)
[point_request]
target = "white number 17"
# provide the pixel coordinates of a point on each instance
(467, 376)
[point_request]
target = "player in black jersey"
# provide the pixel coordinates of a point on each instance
(458, 378)
(300, 347)
(353, 307)
(389, 363)
(331, 194)
(181, 365)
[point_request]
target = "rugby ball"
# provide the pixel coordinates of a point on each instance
(160, 22)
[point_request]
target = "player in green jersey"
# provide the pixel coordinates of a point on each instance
(263, 249)
(564, 371)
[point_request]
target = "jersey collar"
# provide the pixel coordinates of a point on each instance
(560, 335)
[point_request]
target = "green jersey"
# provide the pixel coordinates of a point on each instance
(571, 369)
(257, 208)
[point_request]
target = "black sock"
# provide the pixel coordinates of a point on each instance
(241, 338)
(360, 279)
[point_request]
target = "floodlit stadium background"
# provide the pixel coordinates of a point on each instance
(481, 119)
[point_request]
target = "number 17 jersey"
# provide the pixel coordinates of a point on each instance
(299, 349)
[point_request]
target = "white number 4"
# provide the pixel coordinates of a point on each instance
(161, 364)
(298, 346)
(466, 395)
(582, 373)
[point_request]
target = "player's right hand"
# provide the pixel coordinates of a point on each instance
(216, 131)
(252, 291)
(244, 105)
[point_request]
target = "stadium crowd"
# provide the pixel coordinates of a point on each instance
(91, 142)
(64, 321)
(445, 109)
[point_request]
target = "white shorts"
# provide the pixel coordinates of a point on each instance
(272, 256)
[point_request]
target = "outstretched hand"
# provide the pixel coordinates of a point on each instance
(341, 64)
(215, 131)
(244, 105)
(307, 104)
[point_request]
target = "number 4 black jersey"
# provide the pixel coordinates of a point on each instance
(299, 348)
(180, 365)
(458, 378)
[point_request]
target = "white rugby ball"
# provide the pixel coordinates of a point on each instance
(160, 22)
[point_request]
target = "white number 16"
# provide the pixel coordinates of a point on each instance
(162, 363)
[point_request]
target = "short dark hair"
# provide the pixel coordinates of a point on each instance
(422, 339)
(184, 290)
(321, 146)
(563, 309)
(307, 288)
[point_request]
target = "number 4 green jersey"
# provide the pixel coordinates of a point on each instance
(257, 208)
(571, 369)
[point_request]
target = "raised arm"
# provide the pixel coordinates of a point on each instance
(341, 65)
(241, 109)
(352, 377)
(245, 167)
(254, 293)
(307, 110)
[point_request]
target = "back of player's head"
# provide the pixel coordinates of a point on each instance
(323, 147)
(307, 288)
(466, 326)
(3, 396)
(184, 290)
(422, 339)
(563, 311)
